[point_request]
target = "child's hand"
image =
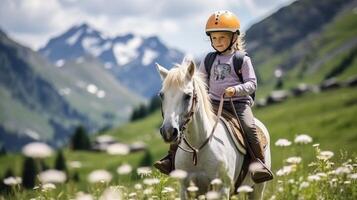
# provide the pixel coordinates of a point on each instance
(230, 91)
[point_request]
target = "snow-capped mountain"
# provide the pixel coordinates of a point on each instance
(130, 57)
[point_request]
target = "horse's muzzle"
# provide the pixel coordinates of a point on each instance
(169, 133)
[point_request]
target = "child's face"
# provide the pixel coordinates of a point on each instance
(221, 40)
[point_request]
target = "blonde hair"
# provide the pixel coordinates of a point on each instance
(239, 45)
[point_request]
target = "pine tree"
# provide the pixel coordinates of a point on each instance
(2, 150)
(142, 111)
(29, 171)
(80, 139)
(60, 162)
(155, 104)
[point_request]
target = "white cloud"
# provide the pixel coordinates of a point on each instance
(179, 22)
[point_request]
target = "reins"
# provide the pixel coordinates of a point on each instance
(192, 149)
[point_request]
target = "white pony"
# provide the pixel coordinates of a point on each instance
(187, 113)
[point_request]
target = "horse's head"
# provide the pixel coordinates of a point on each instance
(178, 99)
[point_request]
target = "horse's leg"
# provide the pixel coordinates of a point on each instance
(257, 193)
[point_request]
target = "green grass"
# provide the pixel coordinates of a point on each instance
(329, 118)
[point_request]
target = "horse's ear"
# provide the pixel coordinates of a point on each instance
(162, 71)
(190, 69)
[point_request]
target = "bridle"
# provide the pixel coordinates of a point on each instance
(188, 119)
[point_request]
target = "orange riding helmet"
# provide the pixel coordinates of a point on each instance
(222, 21)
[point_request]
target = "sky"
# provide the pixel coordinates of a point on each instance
(178, 23)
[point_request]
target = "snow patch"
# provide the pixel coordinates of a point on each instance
(149, 56)
(91, 45)
(74, 38)
(101, 94)
(108, 65)
(65, 91)
(32, 134)
(125, 53)
(59, 63)
(91, 88)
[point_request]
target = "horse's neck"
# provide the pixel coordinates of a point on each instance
(200, 128)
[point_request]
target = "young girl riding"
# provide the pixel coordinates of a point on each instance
(229, 71)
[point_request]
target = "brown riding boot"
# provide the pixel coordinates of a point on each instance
(260, 172)
(167, 164)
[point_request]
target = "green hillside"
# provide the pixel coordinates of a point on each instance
(319, 54)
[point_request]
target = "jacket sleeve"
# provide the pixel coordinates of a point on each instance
(249, 84)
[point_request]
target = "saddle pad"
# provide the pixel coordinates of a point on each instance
(232, 125)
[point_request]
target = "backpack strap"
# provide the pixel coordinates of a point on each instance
(238, 59)
(209, 59)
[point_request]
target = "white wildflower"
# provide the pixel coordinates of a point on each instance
(353, 176)
(325, 155)
(192, 188)
(322, 175)
(294, 160)
(169, 189)
(316, 145)
(334, 180)
(303, 139)
(144, 171)
(124, 169)
(178, 174)
(304, 185)
(342, 170)
(111, 194)
(201, 197)
(118, 149)
(312, 178)
(83, 196)
(37, 150)
(347, 182)
(245, 189)
(282, 143)
(132, 195)
(286, 170)
(52, 176)
(151, 181)
(12, 181)
(148, 191)
(48, 186)
(99, 175)
(212, 195)
(138, 186)
(216, 181)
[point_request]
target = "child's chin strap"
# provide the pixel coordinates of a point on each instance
(229, 47)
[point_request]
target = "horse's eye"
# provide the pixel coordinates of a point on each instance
(187, 97)
(161, 95)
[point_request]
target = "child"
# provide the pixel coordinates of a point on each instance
(223, 30)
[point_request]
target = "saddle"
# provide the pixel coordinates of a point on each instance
(232, 125)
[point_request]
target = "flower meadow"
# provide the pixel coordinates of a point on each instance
(329, 175)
